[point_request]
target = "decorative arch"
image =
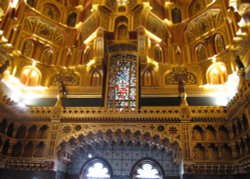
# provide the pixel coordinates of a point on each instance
(126, 136)
(86, 55)
(95, 168)
(158, 55)
(47, 56)
(216, 74)
(3, 126)
(200, 52)
(176, 15)
(121, 28)
(17, 150)
(51, 11)
(147, 168)
(210, 133)
(28, 149)
(147, 77)
(30, 76)
(40, 149)
(10, 130)
(219, 43)
(43, 132)
(32, 132)
(28, 48)
(96, 78)
(199, 152)
(71, 20)
(198, 133)
(90, 141)
(196, 6)
(31, 2)
(21, 132)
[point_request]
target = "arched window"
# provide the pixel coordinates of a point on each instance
(176, 15)
(72, 19)
(122, 82)
(31, 2)
(200, 52)
(28, 48)
(47, 56)
(30, 76)
(96, 78)
(217, 74)
(51, 11)
(158, 53)
(96, 169)
(219, 43)
(147, 169)
(196, 6)
(147, 78)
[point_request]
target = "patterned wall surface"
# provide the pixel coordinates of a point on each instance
(122, 158)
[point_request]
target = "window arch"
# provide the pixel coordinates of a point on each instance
(71, 21)
(47, 56)
(122, 82)
(30, 76)
(158, 53)
(176, 15)
(217, 74)
(200, 52)
(95, 78)
(147, 77)
(96, 168)
(196, 6)
(30, 2)
(147, 169)
(28, 48)
(121, 28)
(51, 11)
(219, 43)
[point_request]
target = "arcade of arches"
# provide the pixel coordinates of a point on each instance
(124, 89)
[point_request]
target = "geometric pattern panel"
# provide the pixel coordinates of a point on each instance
(123, 158)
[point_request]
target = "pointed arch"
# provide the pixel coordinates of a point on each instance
(47, 56)
(147, 168)
(32, 132)
(31, 2)
(121, 28)
(147, 77)
(71, 20)
(96, 168)
(96, 79)
(21, 132)
(43, 132)
(176, 15)
(216, 74)
(200, 52)
(196, 6)
(28, 48)
(3, 126)
(158, 55)
(28, 149)
(30, 76)
(86, 55)
(219, 43)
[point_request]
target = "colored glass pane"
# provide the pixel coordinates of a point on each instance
(122, 82)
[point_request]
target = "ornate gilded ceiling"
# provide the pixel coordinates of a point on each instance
(53, 41)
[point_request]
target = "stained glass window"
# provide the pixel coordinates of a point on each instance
(122, 82)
